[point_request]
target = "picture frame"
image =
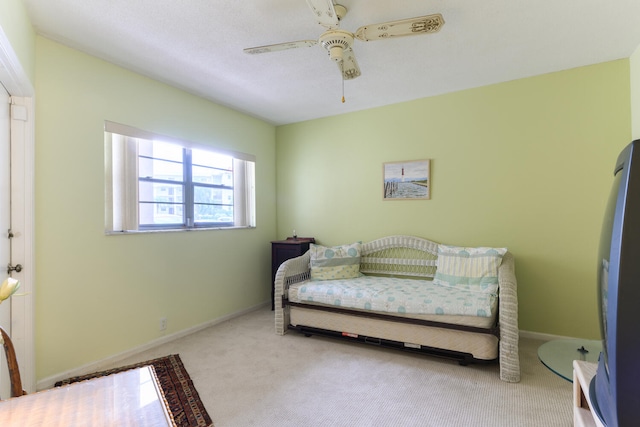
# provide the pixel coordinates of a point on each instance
(407, 180)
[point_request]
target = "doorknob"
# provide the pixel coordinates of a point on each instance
(17, 268)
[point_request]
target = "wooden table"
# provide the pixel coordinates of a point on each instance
(130, 398)
(282, 250)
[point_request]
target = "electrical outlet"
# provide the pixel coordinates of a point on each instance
(163, 323)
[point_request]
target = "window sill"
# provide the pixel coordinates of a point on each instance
(174, 230)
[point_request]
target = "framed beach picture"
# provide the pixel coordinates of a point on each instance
(409, 180)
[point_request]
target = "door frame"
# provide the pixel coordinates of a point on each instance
(22, 126)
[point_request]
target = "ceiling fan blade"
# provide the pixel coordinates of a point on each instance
(404, 27)
(349, 65)
(280, 46)
(325, 12)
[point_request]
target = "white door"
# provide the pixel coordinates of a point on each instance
(21, 140)
(5, 209)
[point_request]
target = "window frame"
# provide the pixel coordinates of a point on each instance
(122, 180)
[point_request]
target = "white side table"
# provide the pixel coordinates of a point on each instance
(583, 373)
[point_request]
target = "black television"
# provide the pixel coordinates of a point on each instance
(615, 389)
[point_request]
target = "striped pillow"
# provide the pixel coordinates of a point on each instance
(472, 269)
(338, 262)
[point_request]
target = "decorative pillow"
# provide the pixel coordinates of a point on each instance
(338, 262)
(473, 269)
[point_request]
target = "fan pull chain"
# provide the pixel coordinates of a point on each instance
(342, 73)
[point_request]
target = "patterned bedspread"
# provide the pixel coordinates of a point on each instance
(394, 295)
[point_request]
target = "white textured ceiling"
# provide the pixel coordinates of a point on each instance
(196, 45)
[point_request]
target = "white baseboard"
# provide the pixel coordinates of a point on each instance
(542, 337)
(48, 382)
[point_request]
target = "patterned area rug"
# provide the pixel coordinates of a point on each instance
(182, 397)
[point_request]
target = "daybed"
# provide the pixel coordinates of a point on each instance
(406, 292)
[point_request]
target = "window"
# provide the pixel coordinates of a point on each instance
(158, 183)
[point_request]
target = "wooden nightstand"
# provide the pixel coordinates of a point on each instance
(282, 250)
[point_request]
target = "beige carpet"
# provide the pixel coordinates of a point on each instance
(249, 376)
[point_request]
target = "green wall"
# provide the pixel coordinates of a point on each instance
(635, 93)
(524, 164)
(15, 24)
(101, 295)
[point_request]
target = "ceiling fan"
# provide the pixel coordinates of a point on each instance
(338, 42)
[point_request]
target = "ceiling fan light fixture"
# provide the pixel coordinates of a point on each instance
(335, 53)
(336, 42)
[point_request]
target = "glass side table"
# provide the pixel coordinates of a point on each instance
(558, 355)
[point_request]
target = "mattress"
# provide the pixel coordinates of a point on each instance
(408, 298)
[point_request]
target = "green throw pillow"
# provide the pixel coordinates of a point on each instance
(473, 269)
(338, 262)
